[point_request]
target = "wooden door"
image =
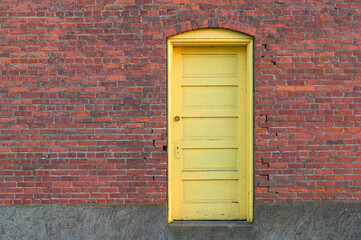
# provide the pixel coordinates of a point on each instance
(208, 140)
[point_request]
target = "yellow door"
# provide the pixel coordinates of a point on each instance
(209, 111)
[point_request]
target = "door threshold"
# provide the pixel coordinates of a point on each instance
(207, 223)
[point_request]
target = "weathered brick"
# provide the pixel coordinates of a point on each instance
(83, 107)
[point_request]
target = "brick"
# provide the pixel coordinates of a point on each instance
(83, 107)
(285, 88)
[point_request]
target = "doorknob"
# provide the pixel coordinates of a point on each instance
(177, 118)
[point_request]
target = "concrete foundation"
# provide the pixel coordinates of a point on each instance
(279, 221)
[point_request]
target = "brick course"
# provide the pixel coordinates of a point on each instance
(83, 97)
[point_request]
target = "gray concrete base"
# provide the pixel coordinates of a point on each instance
(211, 230)
(274, 221)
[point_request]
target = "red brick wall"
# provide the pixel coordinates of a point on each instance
(83, 97)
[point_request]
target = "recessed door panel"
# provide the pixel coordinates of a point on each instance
(209, 127)
(209, 159)
(210, 211)
(216, 65)
(209, 96)
(209, 190)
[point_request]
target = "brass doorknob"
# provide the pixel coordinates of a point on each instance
(177, 118)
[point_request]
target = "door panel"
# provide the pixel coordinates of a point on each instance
(209, 190)
(213, 211)
(209, 165)
(209, 159)
(216, 65)
(209, 96)
(209, 127)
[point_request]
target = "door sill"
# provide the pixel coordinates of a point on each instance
(206, 223)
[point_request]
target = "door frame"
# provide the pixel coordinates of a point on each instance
(213, 37)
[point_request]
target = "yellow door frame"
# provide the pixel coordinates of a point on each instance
(213, 37)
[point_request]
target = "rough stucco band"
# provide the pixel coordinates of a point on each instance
(274, 221)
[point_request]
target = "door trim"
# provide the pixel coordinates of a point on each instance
(213, 37)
